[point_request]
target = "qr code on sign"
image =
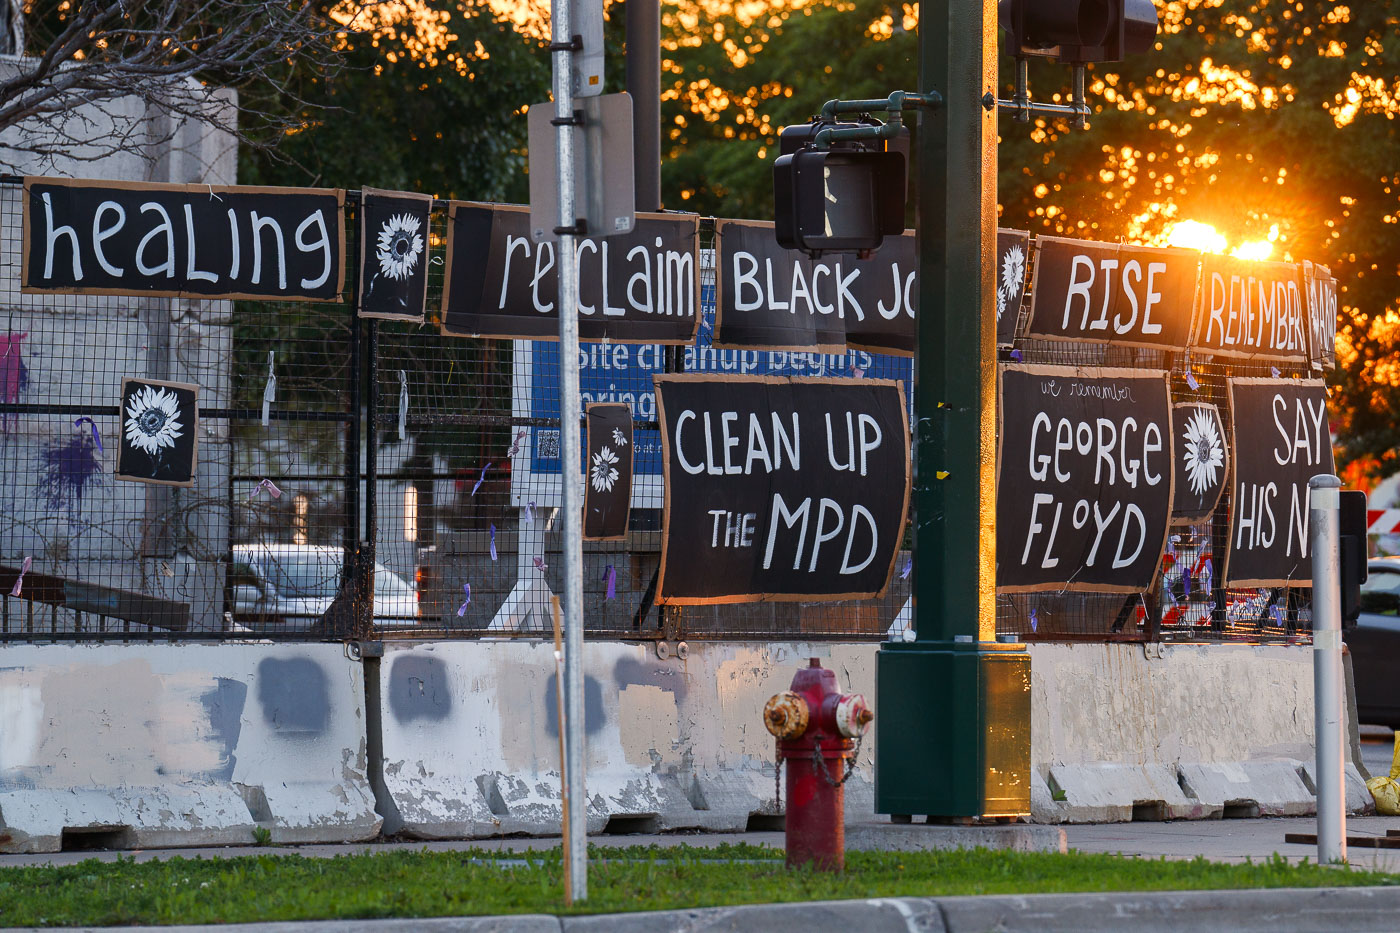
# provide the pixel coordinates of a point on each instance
(547, 445)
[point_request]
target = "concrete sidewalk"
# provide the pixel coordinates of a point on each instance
(1218, 840)
(1281, 910)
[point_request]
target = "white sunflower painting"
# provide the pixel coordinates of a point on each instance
(158, 440)
(604, 470)
(607, 492)
(1011, 275)
(1203, 459)
(393, 254)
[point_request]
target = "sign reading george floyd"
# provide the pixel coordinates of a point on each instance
(212, 241)
(780, 488)
(1282, 439)
(1084, 478)
(774, 298)
(1102, 292)
(641, 287)
(1251, 309)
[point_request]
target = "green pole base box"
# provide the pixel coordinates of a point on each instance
(953, 729)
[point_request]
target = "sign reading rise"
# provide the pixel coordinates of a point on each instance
(1282, 440)
(1084, 478)
(1131, 295)
(210, 241)
(780, 488)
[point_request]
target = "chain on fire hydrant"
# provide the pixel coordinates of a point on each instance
(814, 723)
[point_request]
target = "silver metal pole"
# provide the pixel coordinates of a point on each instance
(1325, 545)
(571, 457)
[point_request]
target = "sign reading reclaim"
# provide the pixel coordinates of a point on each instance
(781, 489)
(131, 238)
(1084, 478)
(1251, 309)
(1131, 295)
(776, 298)
(643, 287)
(1282, 440)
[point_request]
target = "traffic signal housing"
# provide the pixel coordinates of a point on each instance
(1078, 31)
(847, 198)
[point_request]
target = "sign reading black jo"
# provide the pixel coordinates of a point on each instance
(780, 488)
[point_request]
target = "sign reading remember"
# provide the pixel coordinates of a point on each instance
(780, 488)
(1084, 478)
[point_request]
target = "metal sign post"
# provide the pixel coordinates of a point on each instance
(576, 798)
(1324, 502)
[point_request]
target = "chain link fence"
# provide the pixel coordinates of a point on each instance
(373, 479)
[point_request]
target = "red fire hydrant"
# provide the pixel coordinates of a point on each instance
(815, 723)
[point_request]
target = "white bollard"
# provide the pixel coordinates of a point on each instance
(1324, 544)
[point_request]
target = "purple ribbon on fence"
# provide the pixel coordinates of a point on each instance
(481, 479)
(1185, 582)
(1207, 572)
(858, 372)
(530, 511)
(23, 569)
(610, 575)
(1016, 355)
(1275, 372)
(515, 445)
(1035, 622)
(267, 484)
(908, 566)
(96, 438)
(493, 542)
(462, 609)
(1191, 380)
(1276, 614)
(540, 565)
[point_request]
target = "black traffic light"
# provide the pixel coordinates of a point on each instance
(1352, 541)
(1078, 30)
(844, 199)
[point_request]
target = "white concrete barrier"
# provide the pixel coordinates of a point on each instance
(1124, 731)
(471, 743)
(161, 745)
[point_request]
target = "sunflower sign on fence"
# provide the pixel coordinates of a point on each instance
(607, 492)
(393, 254)
(158, 442)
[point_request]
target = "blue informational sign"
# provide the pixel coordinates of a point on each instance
(619, 372)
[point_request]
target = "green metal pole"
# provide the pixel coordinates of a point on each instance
(955, 367)
(953, 707)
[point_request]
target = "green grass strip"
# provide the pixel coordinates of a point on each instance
(403, 883)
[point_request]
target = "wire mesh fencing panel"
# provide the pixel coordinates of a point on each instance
(87, 554)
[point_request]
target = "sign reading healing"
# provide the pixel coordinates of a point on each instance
(780, 299)
(1106, 293)
(1251, 309)
(1282, 439)
(209, 241)
(1084, 478)
(780, 488)
(643, 287)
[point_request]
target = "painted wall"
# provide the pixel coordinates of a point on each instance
(181, 745)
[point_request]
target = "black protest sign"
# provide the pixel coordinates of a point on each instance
(1251, 309)
(780, 299)
(607, 491)
(1320, 292)
(780, 488)
(159, 438)
(1013, 255)
(1084, 478)
(393, 254)
(643, 287)
(208, 241)
(1281, 440)
(1202, 461)
(1139, 296)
